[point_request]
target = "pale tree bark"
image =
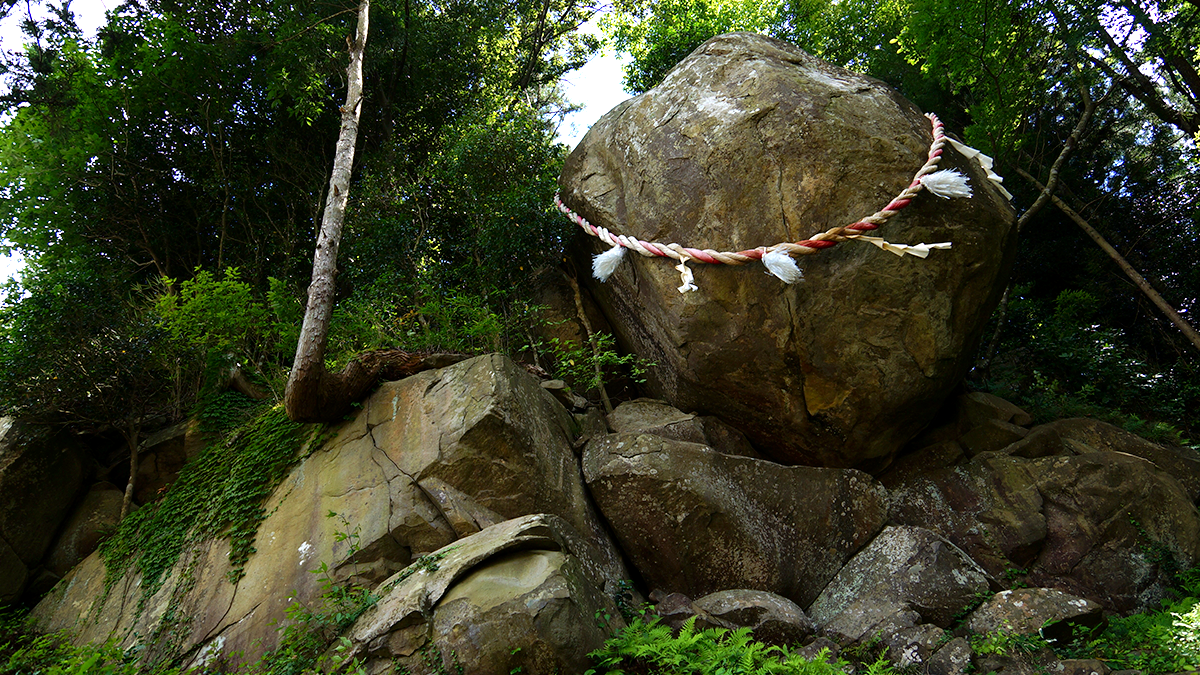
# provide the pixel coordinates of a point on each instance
(1143, 285)
(313, 393)
(591, 336)
(133, 439)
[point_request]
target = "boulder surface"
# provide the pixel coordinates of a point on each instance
(696, 521)
(429, 460)
(750, 142)
(905, 569)
(41, 473)
(1094, 525)
(520, 596)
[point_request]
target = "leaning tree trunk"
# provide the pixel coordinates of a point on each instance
(313, 393)
(311, 389)
(1144, 286)
(133, 439)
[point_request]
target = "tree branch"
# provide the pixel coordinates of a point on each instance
(1139, 281)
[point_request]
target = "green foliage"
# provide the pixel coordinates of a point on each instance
(133, 149)
(653, 647)
(216, 315)
(1161, 640)
(444, 252)
(24, 652)
(106, 364)
(1003, 643)
(586, 368)
(219, 493)
(1058, 362)
(659, 35)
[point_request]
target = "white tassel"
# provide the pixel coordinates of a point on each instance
(604, 264)
(783, 266)
(947, 183)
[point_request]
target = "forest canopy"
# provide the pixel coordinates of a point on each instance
(184, 152)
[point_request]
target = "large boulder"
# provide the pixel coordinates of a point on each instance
(42, 471)
(773, 619)
(750, 142)
(162, 455)
(1080, 435)
(520, 596)
(648, 416)
(427, 461)
(696, 521)
(97, 514)
(1053, 614)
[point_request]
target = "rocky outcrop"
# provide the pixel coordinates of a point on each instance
(42, 472)
(162, 456)
(650, 416)
(1090, 525)
(98, 513)
(695, 521)
(773, 619)
(427, 461)
(1055, 615)
(749, 142)
(1079, 436)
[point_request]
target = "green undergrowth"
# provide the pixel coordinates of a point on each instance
(652, 647)
(220, 493)
(23, 651)
(312, 638)
(1162, 640)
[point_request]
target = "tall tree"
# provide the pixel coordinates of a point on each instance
(313, 393)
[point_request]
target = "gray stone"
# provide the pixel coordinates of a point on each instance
(1079, 436)
(913, 647)
(522, 594)
(695, 521)
(650, 416)
(953, 658)
(978, 407)
(772, 618)
(903, 569)
(750, 142)
(1036, 610)
(41, 473)
(1078, 523)
(990, 436)
(426, 461)
(1083, 667)
(98, 513)
(161, 457)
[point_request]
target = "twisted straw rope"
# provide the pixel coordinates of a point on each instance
(821, 240)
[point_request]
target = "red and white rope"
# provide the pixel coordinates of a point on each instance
(816, 242)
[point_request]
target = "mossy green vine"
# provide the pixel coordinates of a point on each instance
(219, 493)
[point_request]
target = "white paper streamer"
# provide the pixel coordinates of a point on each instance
(604, 264)
(947, 183)
(984, 161)
(783, 266)
(685, 273)
(920, 250)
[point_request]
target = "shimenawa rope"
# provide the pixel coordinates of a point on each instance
(779, 259)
